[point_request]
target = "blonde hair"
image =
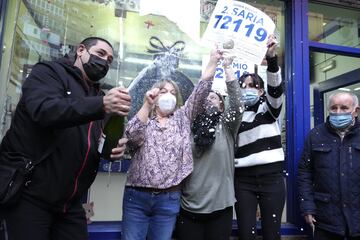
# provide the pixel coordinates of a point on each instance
(161, 84)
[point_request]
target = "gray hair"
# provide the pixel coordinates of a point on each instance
(352, 95)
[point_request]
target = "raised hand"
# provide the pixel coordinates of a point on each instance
(151, 95)
(228, 58)
(149, 101)
(215, 56)
(272, 45)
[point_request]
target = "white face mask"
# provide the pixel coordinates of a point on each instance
(167, 103)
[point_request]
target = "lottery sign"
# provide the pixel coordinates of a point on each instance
(246, 25)
(239, 67)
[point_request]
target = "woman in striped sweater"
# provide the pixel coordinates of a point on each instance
(259, 157)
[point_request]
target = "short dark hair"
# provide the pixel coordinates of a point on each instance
(257, 81)
(91, 41)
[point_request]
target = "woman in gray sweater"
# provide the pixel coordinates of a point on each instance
(208, 193)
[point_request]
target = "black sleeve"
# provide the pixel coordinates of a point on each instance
(45, 100)
(272, 63)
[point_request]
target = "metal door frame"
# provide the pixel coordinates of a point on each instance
(3, 7)
(297, 77)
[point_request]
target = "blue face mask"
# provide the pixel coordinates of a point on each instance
(340, 120)
(250, 96)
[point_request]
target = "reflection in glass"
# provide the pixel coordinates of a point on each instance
(329, 67)
(334, 24)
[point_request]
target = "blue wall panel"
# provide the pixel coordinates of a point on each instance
(297, 100)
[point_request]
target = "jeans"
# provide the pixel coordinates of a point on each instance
(148, 215)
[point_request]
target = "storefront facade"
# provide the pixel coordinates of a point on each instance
(319, 53)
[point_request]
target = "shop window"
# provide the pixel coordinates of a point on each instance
(339, 73)
(37, 38)
(333, 23)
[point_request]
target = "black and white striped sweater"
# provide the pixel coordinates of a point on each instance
(259, 136)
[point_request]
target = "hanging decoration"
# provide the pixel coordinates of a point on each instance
(164, 66)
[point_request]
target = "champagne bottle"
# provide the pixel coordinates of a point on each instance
(113, 131)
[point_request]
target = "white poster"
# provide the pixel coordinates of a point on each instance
(247, 26)
(240, 67)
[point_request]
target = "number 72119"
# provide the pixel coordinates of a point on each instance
(226, 22)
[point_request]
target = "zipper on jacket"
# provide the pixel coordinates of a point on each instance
(350, 156)
(81, 169)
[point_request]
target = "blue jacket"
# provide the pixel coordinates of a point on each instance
(329, 179)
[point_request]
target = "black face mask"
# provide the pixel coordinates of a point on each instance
(96, 68)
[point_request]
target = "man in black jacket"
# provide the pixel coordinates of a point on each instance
(59, 119)
(329, 172)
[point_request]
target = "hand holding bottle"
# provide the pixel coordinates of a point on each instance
(117, 101)
(119, 150)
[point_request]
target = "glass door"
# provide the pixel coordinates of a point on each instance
(331, 73)
(334, 60)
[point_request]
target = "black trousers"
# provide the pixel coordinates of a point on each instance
(321, 234)
(28, 221)
(211, 226)
(267, 191)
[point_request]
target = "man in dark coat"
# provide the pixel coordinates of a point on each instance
(59, 119)
(329, 172)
